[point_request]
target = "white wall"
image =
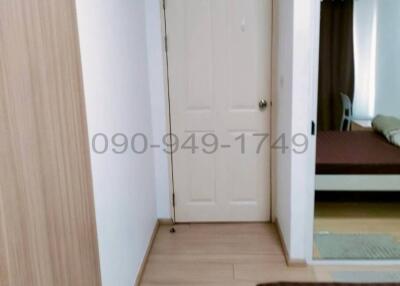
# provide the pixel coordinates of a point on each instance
(282, 105)
(388, 58)
(304, 110)
(297, 73)
(377, 58)
(116, 83)
(365, 20)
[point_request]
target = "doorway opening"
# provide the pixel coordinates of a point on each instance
(357, 201)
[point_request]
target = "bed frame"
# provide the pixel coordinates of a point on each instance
(356, 161)
(365, 183)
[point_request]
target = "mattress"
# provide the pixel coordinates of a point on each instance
(356, 153)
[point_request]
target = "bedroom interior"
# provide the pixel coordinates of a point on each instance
(357, 207)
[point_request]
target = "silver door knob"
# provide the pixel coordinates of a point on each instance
(263, 104)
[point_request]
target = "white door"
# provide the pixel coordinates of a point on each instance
(219, 54)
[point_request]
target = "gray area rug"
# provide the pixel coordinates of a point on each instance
(366, 277)
(356, 246)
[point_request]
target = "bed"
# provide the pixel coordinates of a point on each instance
(356, 161)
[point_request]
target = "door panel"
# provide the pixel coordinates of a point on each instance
(219, 55)
(47, 221)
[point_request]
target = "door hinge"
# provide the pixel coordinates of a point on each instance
(163, 4)
(166, 43)
(173, 200)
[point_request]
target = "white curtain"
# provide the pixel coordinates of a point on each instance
(365, 45)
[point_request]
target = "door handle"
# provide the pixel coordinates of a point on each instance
(263, 104)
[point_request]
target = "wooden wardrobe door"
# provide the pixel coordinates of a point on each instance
(47, 219)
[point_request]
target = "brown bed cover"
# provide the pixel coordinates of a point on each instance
(358, 152)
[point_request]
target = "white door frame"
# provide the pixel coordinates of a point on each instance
(167, 108)
(314, 74)
(169, 125)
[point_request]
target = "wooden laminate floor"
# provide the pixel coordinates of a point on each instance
(357, 218)
(219, 254)
(369, 218)
(227, 254)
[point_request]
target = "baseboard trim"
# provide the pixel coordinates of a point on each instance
(146, 256)
(290, 262)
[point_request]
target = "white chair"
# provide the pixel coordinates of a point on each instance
(347, 113)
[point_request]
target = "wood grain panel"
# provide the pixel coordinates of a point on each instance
(48, 230)
(4, 279)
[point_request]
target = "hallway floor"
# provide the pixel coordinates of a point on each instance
(219, 254)
(224, 254)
